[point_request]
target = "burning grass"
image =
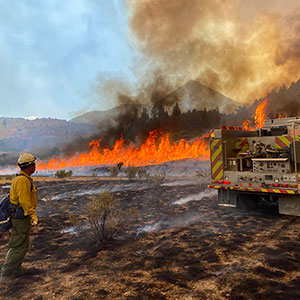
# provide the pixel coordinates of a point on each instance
(157, 149)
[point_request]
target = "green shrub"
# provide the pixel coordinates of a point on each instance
(131, 172)
(63, 174)
(114, 171)
(105, 220)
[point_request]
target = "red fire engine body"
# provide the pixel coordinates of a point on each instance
(249, 166)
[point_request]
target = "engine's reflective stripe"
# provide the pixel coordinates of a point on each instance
(242, 145)
(216, 160)
(5, 221)
(217, 172)
(250, 189)
(215, 143)
(216, 152)
(214, 186)
(283, 141)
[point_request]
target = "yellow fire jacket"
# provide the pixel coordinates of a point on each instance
(21, 194)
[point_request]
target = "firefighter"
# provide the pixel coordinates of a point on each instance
(23, 194)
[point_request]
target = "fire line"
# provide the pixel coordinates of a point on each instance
(157, 149)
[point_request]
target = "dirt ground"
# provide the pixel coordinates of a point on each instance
(190, 250)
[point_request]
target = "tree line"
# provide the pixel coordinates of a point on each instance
(176, 122)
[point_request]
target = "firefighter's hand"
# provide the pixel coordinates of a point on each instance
(34, 220)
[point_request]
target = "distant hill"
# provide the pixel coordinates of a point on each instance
(191, 95)
(18, 134)
(105, 118)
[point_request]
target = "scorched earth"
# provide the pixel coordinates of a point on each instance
(183, 246)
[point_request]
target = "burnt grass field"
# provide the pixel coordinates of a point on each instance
(192, 250)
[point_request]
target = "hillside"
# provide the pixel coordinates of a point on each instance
(189, 96)
(105, 118)
(285, 100)
(18, 134)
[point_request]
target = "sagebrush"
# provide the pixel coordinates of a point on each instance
(105, 220)
(114, 171)
(142, 173)
(7, 176)
(131, 172)
(157, 178)
(63, 174)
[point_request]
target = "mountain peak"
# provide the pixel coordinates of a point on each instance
(194, 94)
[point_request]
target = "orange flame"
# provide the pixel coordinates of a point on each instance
(246, 125)
(157, 149)
(260, 114)
(280, 116)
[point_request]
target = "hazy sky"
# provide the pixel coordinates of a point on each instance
(54, 53)
(53, 50)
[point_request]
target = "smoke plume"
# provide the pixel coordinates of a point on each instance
(231, 46)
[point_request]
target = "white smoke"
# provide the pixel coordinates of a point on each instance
(186, 220)
(207, 193)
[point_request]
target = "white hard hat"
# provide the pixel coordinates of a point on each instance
(26, 159)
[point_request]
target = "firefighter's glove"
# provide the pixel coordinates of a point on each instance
(34, 220)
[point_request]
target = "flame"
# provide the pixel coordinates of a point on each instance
(157, 149)
(280, 116)
(260, 114)
(246, 125)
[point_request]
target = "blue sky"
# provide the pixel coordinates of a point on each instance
(53, 52)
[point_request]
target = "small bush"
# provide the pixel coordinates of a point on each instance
(131, 172)
(142, 173)
(105, 220)
(94, 174)
(157, 178)
(63, 174)
(114, 171)
(9, 177)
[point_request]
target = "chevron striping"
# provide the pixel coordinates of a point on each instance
(216, 160)
(217, 172)
(216, 153)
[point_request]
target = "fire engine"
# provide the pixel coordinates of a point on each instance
(259, 165)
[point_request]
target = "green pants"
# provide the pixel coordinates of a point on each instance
(18, 245)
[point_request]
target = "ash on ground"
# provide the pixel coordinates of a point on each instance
(183, 245)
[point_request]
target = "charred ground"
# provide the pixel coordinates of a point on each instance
(194, 250)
